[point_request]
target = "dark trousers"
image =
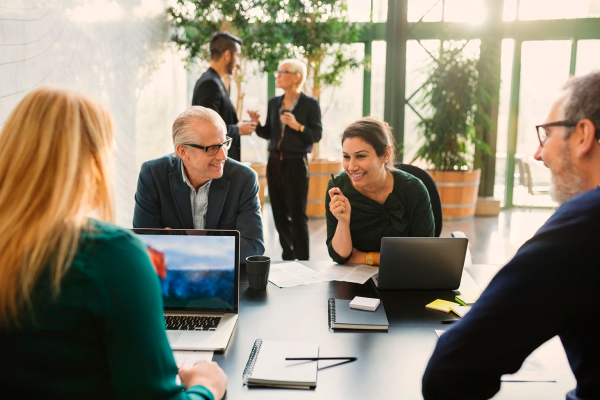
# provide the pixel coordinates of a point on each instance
(288, 190)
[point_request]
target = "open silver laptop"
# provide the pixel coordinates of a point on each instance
(199, 278)
(421, 263)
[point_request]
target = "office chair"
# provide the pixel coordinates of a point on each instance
(434, 195)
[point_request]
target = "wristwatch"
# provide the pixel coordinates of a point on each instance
(301, 128)
(369, 258)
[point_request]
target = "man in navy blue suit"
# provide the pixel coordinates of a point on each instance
(198, 187)
(210, 91)
(552, 285)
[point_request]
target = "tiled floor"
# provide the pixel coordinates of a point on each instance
(493, 240)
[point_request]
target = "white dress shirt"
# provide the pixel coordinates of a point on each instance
(199, 201)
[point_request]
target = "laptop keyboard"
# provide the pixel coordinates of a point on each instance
(191, 323)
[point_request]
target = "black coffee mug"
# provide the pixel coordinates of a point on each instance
(258, 268)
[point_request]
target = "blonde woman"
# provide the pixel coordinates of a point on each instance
(80, 304)
(293, 124)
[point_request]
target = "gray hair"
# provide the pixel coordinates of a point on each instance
(584, 100)
(297, 67)
(182, 133)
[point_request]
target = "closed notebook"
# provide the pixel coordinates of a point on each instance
(341, 316)
(267, 365)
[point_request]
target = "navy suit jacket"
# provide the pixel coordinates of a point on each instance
(551, 287)
(163, 200)
(210, 92)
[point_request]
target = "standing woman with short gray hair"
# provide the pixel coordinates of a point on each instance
(293, 124)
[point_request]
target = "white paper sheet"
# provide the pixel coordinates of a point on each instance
(292, 274)
(355, 273)
(190, 357)
(532, 370)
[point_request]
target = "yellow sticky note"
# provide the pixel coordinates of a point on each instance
(461, 311)
(440, 305)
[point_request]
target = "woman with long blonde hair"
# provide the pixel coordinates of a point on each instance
(80, 304)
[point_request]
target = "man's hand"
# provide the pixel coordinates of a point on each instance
(246, 127)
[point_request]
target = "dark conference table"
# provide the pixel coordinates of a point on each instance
(390, 364)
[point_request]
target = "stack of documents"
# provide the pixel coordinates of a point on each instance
(466, 300)
(364, 303)
(461, 311)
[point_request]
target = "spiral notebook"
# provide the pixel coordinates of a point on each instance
(267, 365)
(341, 316)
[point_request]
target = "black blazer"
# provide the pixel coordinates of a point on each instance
(210, 92)
(307, 112)
(163, 200)
(549, 288)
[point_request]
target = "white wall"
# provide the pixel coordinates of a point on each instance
(116, 51)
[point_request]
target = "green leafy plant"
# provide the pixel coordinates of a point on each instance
(319, 32)
(453, 97)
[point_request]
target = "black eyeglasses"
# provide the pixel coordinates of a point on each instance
(543, 133)
(282, 72)
(214, 149)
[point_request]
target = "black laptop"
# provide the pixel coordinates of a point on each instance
(421, 263)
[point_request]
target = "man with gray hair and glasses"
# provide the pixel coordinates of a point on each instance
(199, 187)
(552, 285)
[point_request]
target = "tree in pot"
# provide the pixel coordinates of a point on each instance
(452, 99)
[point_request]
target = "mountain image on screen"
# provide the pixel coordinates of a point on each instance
(189, 280)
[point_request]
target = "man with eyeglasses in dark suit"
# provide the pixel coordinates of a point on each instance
(199, 187)
(551, 286)
(210, 91)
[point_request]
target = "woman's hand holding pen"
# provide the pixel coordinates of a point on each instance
(339, 206)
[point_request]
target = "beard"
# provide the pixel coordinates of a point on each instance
(566, 181)
(230, 67)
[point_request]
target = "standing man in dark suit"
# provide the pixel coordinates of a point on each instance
(551, 285)
(198, 187)
(210, 91)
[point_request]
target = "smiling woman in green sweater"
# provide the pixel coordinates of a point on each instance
(371, 199)
(80, 303)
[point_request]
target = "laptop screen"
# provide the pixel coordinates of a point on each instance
(197, 269)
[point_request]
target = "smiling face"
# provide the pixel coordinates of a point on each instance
(364, 167)
(199, 166)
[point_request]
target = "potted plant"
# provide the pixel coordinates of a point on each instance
(452, 99)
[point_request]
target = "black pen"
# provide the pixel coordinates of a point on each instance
(448, 321)
(333, 180)
(320, 358)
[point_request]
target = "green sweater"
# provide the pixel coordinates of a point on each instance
(405, 213)
(103, 337)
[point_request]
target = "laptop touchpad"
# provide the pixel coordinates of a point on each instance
(173, 337)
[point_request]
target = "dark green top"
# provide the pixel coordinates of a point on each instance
(405, 213)
(103, 337)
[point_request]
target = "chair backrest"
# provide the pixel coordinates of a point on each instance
(524, 173)
(434, 195)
